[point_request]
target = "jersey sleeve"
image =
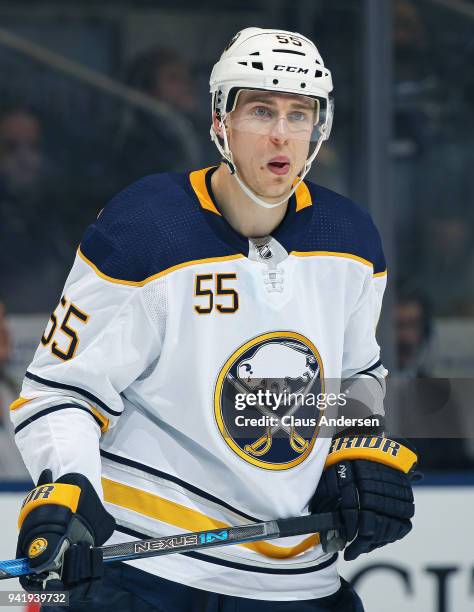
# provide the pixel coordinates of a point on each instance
(98, 341)
(363, 373)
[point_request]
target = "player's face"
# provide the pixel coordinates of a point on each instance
(269, 136)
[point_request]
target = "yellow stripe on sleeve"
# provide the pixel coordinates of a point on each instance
(104, 421)
(18, 403)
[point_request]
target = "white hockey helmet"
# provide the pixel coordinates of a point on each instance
(272, 60)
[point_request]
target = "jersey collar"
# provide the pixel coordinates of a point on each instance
(294, 222)
(200, 183)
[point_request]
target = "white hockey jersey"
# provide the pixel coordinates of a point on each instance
(167, 315)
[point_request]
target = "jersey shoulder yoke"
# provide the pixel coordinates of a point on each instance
(148, 229)
(339, 225)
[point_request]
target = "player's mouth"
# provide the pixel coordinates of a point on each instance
(279, 165)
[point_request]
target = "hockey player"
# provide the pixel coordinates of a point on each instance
(187, 292)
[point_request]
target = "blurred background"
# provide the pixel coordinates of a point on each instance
(96, 94)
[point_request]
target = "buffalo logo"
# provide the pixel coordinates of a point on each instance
(38, 546)
(261, 399)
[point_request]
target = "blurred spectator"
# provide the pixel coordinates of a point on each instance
(35, 249)
(425, 405)
(433, 180)
(413, 332)
(417, 106)
(21, 162)
(147, 143)
(165, 75)
(11, 463)
(414, 59)
(446, 274)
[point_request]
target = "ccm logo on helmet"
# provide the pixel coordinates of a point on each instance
(296, 69)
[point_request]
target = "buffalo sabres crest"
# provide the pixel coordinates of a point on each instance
(261, 399)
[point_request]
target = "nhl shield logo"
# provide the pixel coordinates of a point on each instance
(262, 399)
(264, 251)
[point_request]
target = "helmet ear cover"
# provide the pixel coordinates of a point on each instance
(232, 98)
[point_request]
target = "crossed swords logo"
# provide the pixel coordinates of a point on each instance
(264, 443)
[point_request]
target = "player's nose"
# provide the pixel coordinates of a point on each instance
(280, 131)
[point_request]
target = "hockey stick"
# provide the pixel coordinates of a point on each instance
(197, 540)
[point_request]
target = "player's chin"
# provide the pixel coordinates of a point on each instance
(275, 192)
(277, 185)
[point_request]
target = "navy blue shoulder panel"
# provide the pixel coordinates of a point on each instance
(340, 225)
(157, 223)
(150, 226)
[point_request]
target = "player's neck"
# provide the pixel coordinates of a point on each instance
(240, 211)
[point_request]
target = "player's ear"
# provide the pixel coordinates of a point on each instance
(216, 125)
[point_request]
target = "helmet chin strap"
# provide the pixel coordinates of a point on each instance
(228, 158)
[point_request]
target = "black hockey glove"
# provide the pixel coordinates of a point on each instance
(59, 523)
(366, 479)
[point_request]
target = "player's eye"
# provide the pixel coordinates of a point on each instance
(262, 112)
(298, 116)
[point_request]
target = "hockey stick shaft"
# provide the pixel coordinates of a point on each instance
(198, 540)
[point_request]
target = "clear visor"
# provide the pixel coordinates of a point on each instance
(285, 117)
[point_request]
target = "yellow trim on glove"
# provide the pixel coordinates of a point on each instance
(60, 494)
(372, 448)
